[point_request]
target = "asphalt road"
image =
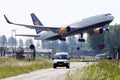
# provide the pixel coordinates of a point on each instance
(49, 74)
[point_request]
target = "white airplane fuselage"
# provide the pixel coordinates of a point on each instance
(87, 23)
(45, 34)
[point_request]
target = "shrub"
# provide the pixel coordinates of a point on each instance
(11, 67)
(104, 70)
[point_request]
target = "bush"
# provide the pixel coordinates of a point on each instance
(11, 67)
(104, 70)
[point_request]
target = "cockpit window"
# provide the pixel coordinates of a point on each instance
(107, 14)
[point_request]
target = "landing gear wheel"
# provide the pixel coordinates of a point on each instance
(62, 39)
(107, 27)
(81, 40)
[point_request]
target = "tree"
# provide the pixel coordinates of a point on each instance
(38, 44)
(72, 43)
(3, 41)
(20, 43)
(46, 44)
(28, 42)
(54, 45)
(12, 41)
(63, 46)
(112, 38)
(95, 41)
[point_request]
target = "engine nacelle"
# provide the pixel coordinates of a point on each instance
(64, 30)
(97, 31)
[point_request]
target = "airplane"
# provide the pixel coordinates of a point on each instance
(94, 25)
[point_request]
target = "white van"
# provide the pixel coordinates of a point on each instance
(61, 59)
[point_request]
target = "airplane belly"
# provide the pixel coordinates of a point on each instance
(46, 34)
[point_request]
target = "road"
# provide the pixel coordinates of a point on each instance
(49, 74)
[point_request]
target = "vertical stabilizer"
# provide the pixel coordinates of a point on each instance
(36, 21)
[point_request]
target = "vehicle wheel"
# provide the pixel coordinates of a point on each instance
(68, 66)
(54, 66)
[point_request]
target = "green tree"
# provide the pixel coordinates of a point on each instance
(72, 43)
(28, 42)
(12, 41)
(64, 46)
(112, 38)
(54, 45)
(3, 41)
(38, 44)
(20, 43)
(95, 41)
(45, 44)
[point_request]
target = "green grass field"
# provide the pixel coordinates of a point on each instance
(103, 70)
(11, 67)
(85, 59)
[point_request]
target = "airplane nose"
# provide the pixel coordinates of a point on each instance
(111, 17)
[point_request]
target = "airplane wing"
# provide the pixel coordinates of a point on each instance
(33, 26)
(45, 28)
(27, 35)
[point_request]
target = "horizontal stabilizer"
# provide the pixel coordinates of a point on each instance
(25, 35)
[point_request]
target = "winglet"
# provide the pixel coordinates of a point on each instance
(7, 20)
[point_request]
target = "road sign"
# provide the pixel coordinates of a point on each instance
(101, 46)
(78, 48)
(32, 46)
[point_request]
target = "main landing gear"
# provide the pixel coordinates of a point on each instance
(80, 39)
(62, 39)
(107, 28)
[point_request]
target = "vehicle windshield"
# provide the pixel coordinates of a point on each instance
(61, 56)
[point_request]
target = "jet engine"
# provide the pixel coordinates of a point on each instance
(97, 31)
(64, 30)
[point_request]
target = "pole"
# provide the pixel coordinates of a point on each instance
(12, 44)
(13, 30)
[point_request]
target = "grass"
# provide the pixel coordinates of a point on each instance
(11, 67)
(85, 59)
(104, 70)
(76, 60)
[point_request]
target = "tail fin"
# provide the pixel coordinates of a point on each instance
(36, 21)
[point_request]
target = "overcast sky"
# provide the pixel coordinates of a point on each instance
(53, 12)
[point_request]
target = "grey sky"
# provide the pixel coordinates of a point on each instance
(53, 12)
